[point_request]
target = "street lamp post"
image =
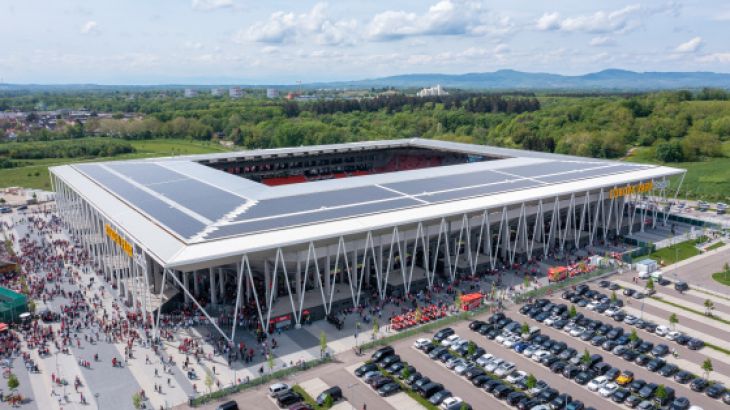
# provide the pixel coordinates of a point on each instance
(96, 396)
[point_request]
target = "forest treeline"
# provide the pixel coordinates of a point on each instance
(678, 126)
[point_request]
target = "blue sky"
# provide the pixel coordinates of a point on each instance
(281, 42)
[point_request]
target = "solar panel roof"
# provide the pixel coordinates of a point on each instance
(196, 203)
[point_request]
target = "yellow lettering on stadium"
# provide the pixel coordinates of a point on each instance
(640, 188)
(116, 238)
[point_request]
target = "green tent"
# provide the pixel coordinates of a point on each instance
(12, 304)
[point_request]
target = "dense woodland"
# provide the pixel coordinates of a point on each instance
(677, 126)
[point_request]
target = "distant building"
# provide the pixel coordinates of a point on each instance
(190, 93)
(272, 93)
(217, 92)
(235, 92)
(432, 91)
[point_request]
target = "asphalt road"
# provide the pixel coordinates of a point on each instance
(700, 272)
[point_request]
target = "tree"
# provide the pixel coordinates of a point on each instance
(669, 152)
(322, 343)
(137, 401)
(531, 382)
(633, 336)
(726, 269)
(376, 327)
(572, 312)
(709, 306)
(650, 284)
(707, 367)
(208, 380)
(673, 320)
(457, 300)
(525, 328)
(471, 348)
(661, 392)
(586, 357)
(463, 406)
(13, 382)
(418, 314)
(526, 282)
(31, 306)
(270, 362)
(614, 297)
(405, 373)
(329, 401)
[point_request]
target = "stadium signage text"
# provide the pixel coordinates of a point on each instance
(114, 235)
(630, 189)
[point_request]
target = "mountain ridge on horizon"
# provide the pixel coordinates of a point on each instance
(611, 79)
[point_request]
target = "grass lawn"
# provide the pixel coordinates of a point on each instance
(722, 278)
(35, 174)
(715, 245)
(675, 253)
(708, 179)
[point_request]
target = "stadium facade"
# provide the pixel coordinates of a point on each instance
(302, 232)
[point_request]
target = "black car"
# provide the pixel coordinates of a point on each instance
(660, 350)
(682, 339)
(630, 355)
(446, 332)
(571, 371)
(549, 361)
(435, 353)
(647, 391)
(636, 385)
(559, 402)
(515, 397)
(288, 398)
(699, 384)
(650, 327)
(480, 380)
(669, 370)
(683, 377)
(491, 385)
(695, 344)
(379, 382)
(528, 404)
(612, 373)
(642, 360)
(547, 395)
(360, 371)
(609, 345)
(414, 377)
(389, 360)
(620, 316)
(604, 329)
(395, 368)
(584, 377)
(438, 397)
(473, 372)
(598, 340)
(558, 367)
(632, 401)
(382, 353)
(629, 292)
(501, 392)
(615, 333)
(726, 397)
(681, 286)
(715, 391)
(558, 348)
(655, 364)
(388, 389)
(645, 347)
(567, 353)
(604, 283)
(620, 395)
(680, 403)
(477, 323)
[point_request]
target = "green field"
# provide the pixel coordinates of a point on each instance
(675, 253)
(35, 174)
(708, 179)
(722, 277)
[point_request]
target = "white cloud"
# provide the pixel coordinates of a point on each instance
(193, 45)
(208, 5)
(601, 41)
(617, 21)
(284, 27)
(716, 58)
(90, 27)
(447, 17)
(690, 46)
(549, 21)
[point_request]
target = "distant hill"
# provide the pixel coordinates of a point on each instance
(606, 80)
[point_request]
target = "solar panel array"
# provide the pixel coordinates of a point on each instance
(197, 210)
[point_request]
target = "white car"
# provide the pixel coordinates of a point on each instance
(597, 383)
(619, 350)
(530, 350)
(505, 369)
(451, 401)
(500, 337)
(462, 368)
(421, 343)
(593, 305)
(570, 326)
(493, 365)
(661, 330)
(673, 335)
(608, 389)
(453, 362)
(511, 341)
(693, 407)
(630, 319)
(552, 319)
(539, 355)
(449, 340)
(577, 331)
(458, 344)
(484, 359)
(612, 311)
(277, 389)
(516, 376)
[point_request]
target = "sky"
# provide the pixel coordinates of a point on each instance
(282, 42)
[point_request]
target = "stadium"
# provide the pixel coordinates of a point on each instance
(293, 234)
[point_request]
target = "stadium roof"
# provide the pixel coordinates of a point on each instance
(185, 212)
